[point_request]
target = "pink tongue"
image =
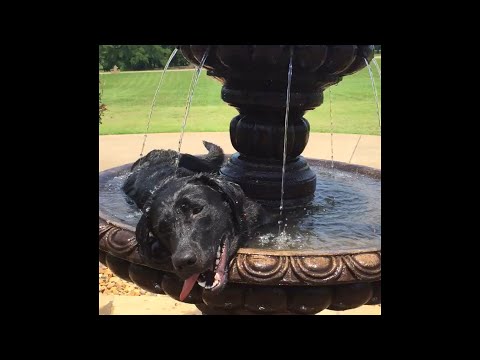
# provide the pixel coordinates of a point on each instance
(188, 286)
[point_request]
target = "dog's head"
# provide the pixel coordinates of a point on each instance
(199, 221)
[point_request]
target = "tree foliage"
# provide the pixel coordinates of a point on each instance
(137, 57)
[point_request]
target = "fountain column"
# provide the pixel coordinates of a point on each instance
(258, 134)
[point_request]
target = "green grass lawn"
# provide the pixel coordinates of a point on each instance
(128, 97)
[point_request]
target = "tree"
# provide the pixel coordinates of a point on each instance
(138, 57)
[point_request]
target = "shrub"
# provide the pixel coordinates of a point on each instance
(102, 107)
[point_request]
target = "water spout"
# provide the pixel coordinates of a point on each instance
(375, 93)
(331, 125)
(354, 149)
(172, 55)
(378, 68)
(193, 85)
(287, 107)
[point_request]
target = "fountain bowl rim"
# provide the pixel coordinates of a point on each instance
(277, 267)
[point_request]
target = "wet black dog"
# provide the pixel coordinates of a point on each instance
(194, 215)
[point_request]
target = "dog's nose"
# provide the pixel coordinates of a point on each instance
(184, 260)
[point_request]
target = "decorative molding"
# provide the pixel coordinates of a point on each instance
(317, 269)
(364, 266)
(256, 268)
(261, 268)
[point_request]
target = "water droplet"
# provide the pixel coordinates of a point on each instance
(280, 222)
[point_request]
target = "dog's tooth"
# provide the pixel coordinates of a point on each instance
(217, 261)
(202, 283)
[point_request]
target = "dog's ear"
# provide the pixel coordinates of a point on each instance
(142, 232)
(232, 193)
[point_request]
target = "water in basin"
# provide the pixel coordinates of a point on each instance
(345, 214)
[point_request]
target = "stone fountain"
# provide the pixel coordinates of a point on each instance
(332, 258)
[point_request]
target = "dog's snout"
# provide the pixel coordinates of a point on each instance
(184, 260)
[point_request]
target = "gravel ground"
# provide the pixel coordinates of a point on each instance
(109, 284)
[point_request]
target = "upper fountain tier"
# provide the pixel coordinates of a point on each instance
(256, 75)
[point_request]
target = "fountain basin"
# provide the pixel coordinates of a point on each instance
(292, 277)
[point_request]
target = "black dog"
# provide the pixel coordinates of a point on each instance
(194, 215)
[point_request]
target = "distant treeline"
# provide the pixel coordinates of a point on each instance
(137, 57)
(143, 57)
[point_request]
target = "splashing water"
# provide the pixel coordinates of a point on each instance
(172, 55)
(375, 93)
(287, 107)
(331, 125)
(378, 68)
(193, 85)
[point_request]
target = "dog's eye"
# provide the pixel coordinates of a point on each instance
(197, 209)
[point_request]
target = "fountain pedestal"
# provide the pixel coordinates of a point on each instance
(257, 167)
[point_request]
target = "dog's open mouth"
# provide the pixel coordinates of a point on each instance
(210, 280)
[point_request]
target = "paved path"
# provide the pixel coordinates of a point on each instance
(121, 149)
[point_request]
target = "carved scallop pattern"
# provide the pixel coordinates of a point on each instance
(102, 229)
(118, 242)
(328, 59)
(104, 235)
(262, 268)
(364, 266)
(317, 269)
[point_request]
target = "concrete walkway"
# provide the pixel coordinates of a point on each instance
(121, 149)
(165, 305)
